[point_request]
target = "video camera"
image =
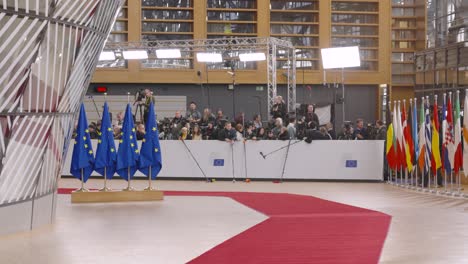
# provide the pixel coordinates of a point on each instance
(140, 95)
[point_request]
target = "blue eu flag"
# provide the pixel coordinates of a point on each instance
(150, 152)
(82, 158)
(127, 155)
(106, 154)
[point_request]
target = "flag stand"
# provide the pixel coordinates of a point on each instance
(149, 188)
(422, 180)
(414, 182)
(406, 178)
(428, 189)
(82, 189)
(129, 188)
(458, 192)
(445, 183)
(435, 184)
(105, 189)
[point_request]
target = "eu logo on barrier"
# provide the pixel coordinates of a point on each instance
(351, 163)
(218, 162)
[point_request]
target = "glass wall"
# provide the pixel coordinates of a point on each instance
(447, 22)
(356, 24)
(297, 21)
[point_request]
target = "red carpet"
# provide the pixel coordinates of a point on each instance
(301, 229)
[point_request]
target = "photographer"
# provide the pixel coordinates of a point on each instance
(348, 132)
(176, 124)
(220, 119)
(207, 117)
(360, 133)
(192, 115)
(279, 108)
(312, 133)
(381, 130)
(311, 116)
(145, 102)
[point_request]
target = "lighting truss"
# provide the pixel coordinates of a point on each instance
(272, 47)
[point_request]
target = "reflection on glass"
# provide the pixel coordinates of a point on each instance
(112, 64)
(154, 37)
(166, 14)
(402, 11)
(120, 26)
(294, 29)
(114, 37)
(232, 4)
(362, 42)
(166, 27)
(354, 18)
(167, 3)
(294, 5)
(232, 65)
(167, 63)
(231, 28)
(355, 30)
(231, 16)
(293, 17)
(402, 56)
(122, 13)
(352, 6)
(301, 41)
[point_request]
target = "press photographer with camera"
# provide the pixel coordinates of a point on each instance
(144, 100)
(279, 108)
(348, 132)
(193, 115)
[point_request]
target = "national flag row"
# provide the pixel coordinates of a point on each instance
(414, 140)
(127, 159)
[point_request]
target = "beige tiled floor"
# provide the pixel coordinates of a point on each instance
(425, 228)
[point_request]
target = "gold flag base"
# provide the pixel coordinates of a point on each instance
(116, 196)
(128, 189)
(105, 189)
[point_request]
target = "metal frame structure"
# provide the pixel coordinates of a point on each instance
(272, 46)
(48, 53)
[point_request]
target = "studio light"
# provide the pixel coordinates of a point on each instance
(209, 57)
(135, 54)
(343, 57)
(259, 56)
(168, 53)
(107, 56)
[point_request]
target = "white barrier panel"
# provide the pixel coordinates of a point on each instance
(324, 160)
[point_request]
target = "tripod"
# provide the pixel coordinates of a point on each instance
(140, 110)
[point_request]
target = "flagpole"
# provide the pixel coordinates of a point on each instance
(443, 139)
(129, 188)
(406, 178)
(82, 189)
(149, 188)
(105, 189)
(405, 185)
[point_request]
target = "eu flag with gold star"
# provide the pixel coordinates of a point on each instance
(106, 154)
(82, 163)
(127, 155)
(150, 152)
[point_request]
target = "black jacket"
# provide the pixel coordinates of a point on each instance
(314, 134)
(227, 134)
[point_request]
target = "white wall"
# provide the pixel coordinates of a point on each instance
(324, 160)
